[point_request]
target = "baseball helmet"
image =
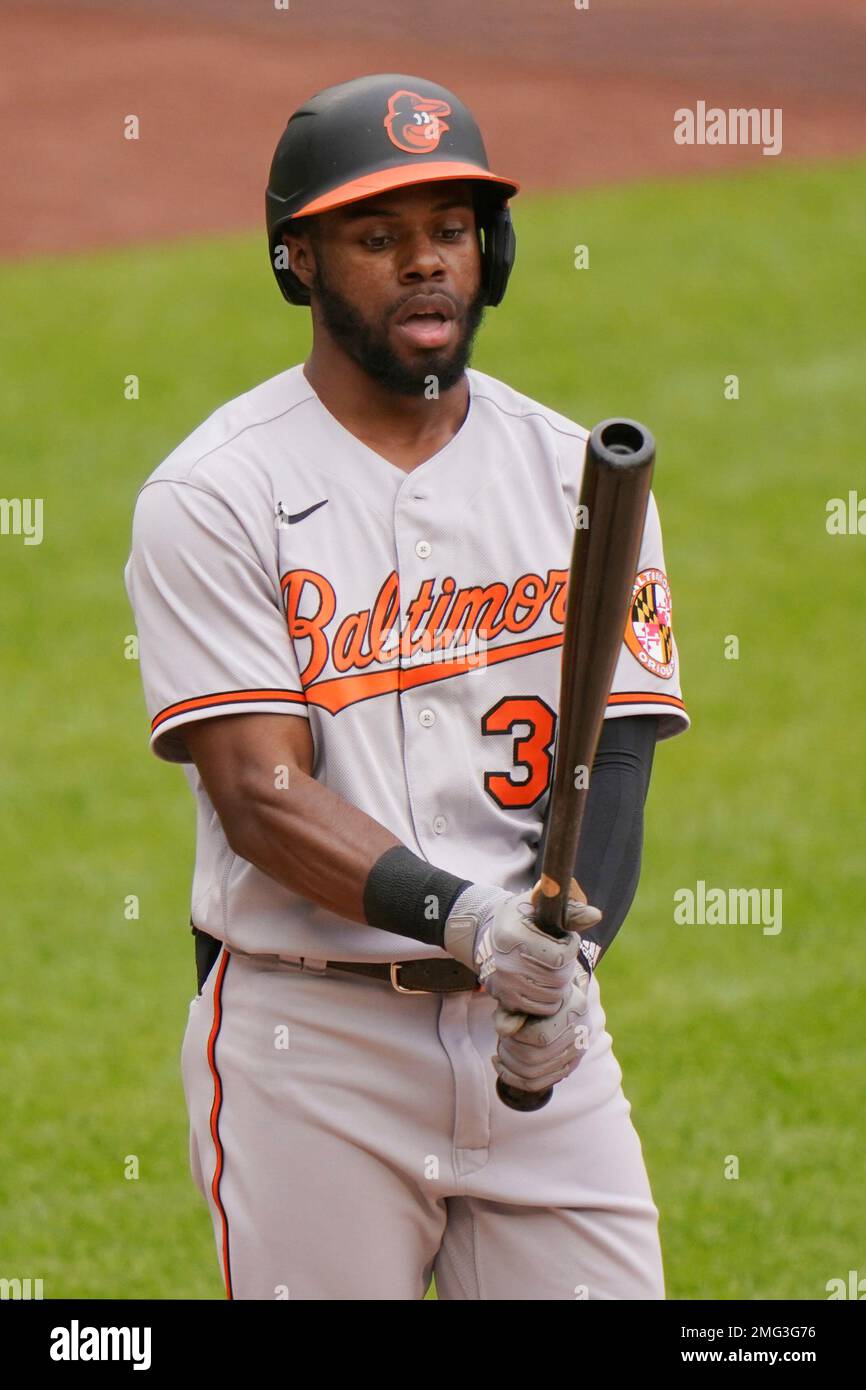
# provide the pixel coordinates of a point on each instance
(378, 133)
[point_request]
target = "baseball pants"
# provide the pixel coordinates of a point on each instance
(350, 1144)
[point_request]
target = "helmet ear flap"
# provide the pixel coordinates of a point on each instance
(498, 249)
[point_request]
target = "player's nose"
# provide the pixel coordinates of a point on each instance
(421, 258)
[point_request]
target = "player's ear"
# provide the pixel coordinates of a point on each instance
(301, 255)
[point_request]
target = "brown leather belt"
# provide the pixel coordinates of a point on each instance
(406, 976)
(415, 976)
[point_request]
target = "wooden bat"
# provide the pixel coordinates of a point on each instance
(615, 487)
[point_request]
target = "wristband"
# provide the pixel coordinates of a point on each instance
(409, 897)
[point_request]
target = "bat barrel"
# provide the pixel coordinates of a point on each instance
(617, 476)
(622, 443)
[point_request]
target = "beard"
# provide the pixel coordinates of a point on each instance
(367, 344)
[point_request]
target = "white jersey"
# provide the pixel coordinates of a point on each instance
(280, 565)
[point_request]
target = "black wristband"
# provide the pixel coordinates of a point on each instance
(406, 895)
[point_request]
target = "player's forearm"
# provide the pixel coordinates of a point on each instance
(312, 841)
(327, 850)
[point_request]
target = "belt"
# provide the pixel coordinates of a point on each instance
(405, 976)
(415, 976)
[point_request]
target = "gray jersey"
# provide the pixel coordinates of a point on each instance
(280, 565)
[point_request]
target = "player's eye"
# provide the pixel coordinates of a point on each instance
(381, 240)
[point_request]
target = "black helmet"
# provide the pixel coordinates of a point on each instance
(382, 132)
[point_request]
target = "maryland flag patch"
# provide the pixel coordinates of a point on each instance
(648, 633)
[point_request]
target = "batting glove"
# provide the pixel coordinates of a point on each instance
(519, 965)
(535, 1053)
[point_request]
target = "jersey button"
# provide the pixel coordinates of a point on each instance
(423, 549)
(440, 825)
(427, 717)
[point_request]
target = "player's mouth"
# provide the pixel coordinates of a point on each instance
(427, 320)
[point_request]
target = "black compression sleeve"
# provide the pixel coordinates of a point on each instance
(609, 855)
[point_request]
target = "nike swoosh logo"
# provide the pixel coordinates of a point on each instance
(299, 516)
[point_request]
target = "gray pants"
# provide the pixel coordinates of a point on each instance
(350, 1144)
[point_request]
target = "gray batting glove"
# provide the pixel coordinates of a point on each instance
(519, 965)
(535, 1053)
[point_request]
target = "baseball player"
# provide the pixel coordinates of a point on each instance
(349, 585)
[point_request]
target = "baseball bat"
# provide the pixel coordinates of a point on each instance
(617, 477)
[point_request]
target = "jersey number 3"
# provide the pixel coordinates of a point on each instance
(528, 777)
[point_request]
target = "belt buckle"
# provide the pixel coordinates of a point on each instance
(401, 989)
(295, 963)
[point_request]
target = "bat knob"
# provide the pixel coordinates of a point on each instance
(522, 1100)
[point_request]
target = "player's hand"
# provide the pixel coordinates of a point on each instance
(519, 965)
(535, 1053)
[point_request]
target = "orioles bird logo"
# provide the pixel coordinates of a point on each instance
(414, 123)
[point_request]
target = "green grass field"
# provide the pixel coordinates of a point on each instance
(732, 1042)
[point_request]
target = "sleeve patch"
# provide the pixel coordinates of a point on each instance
(648, 630)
